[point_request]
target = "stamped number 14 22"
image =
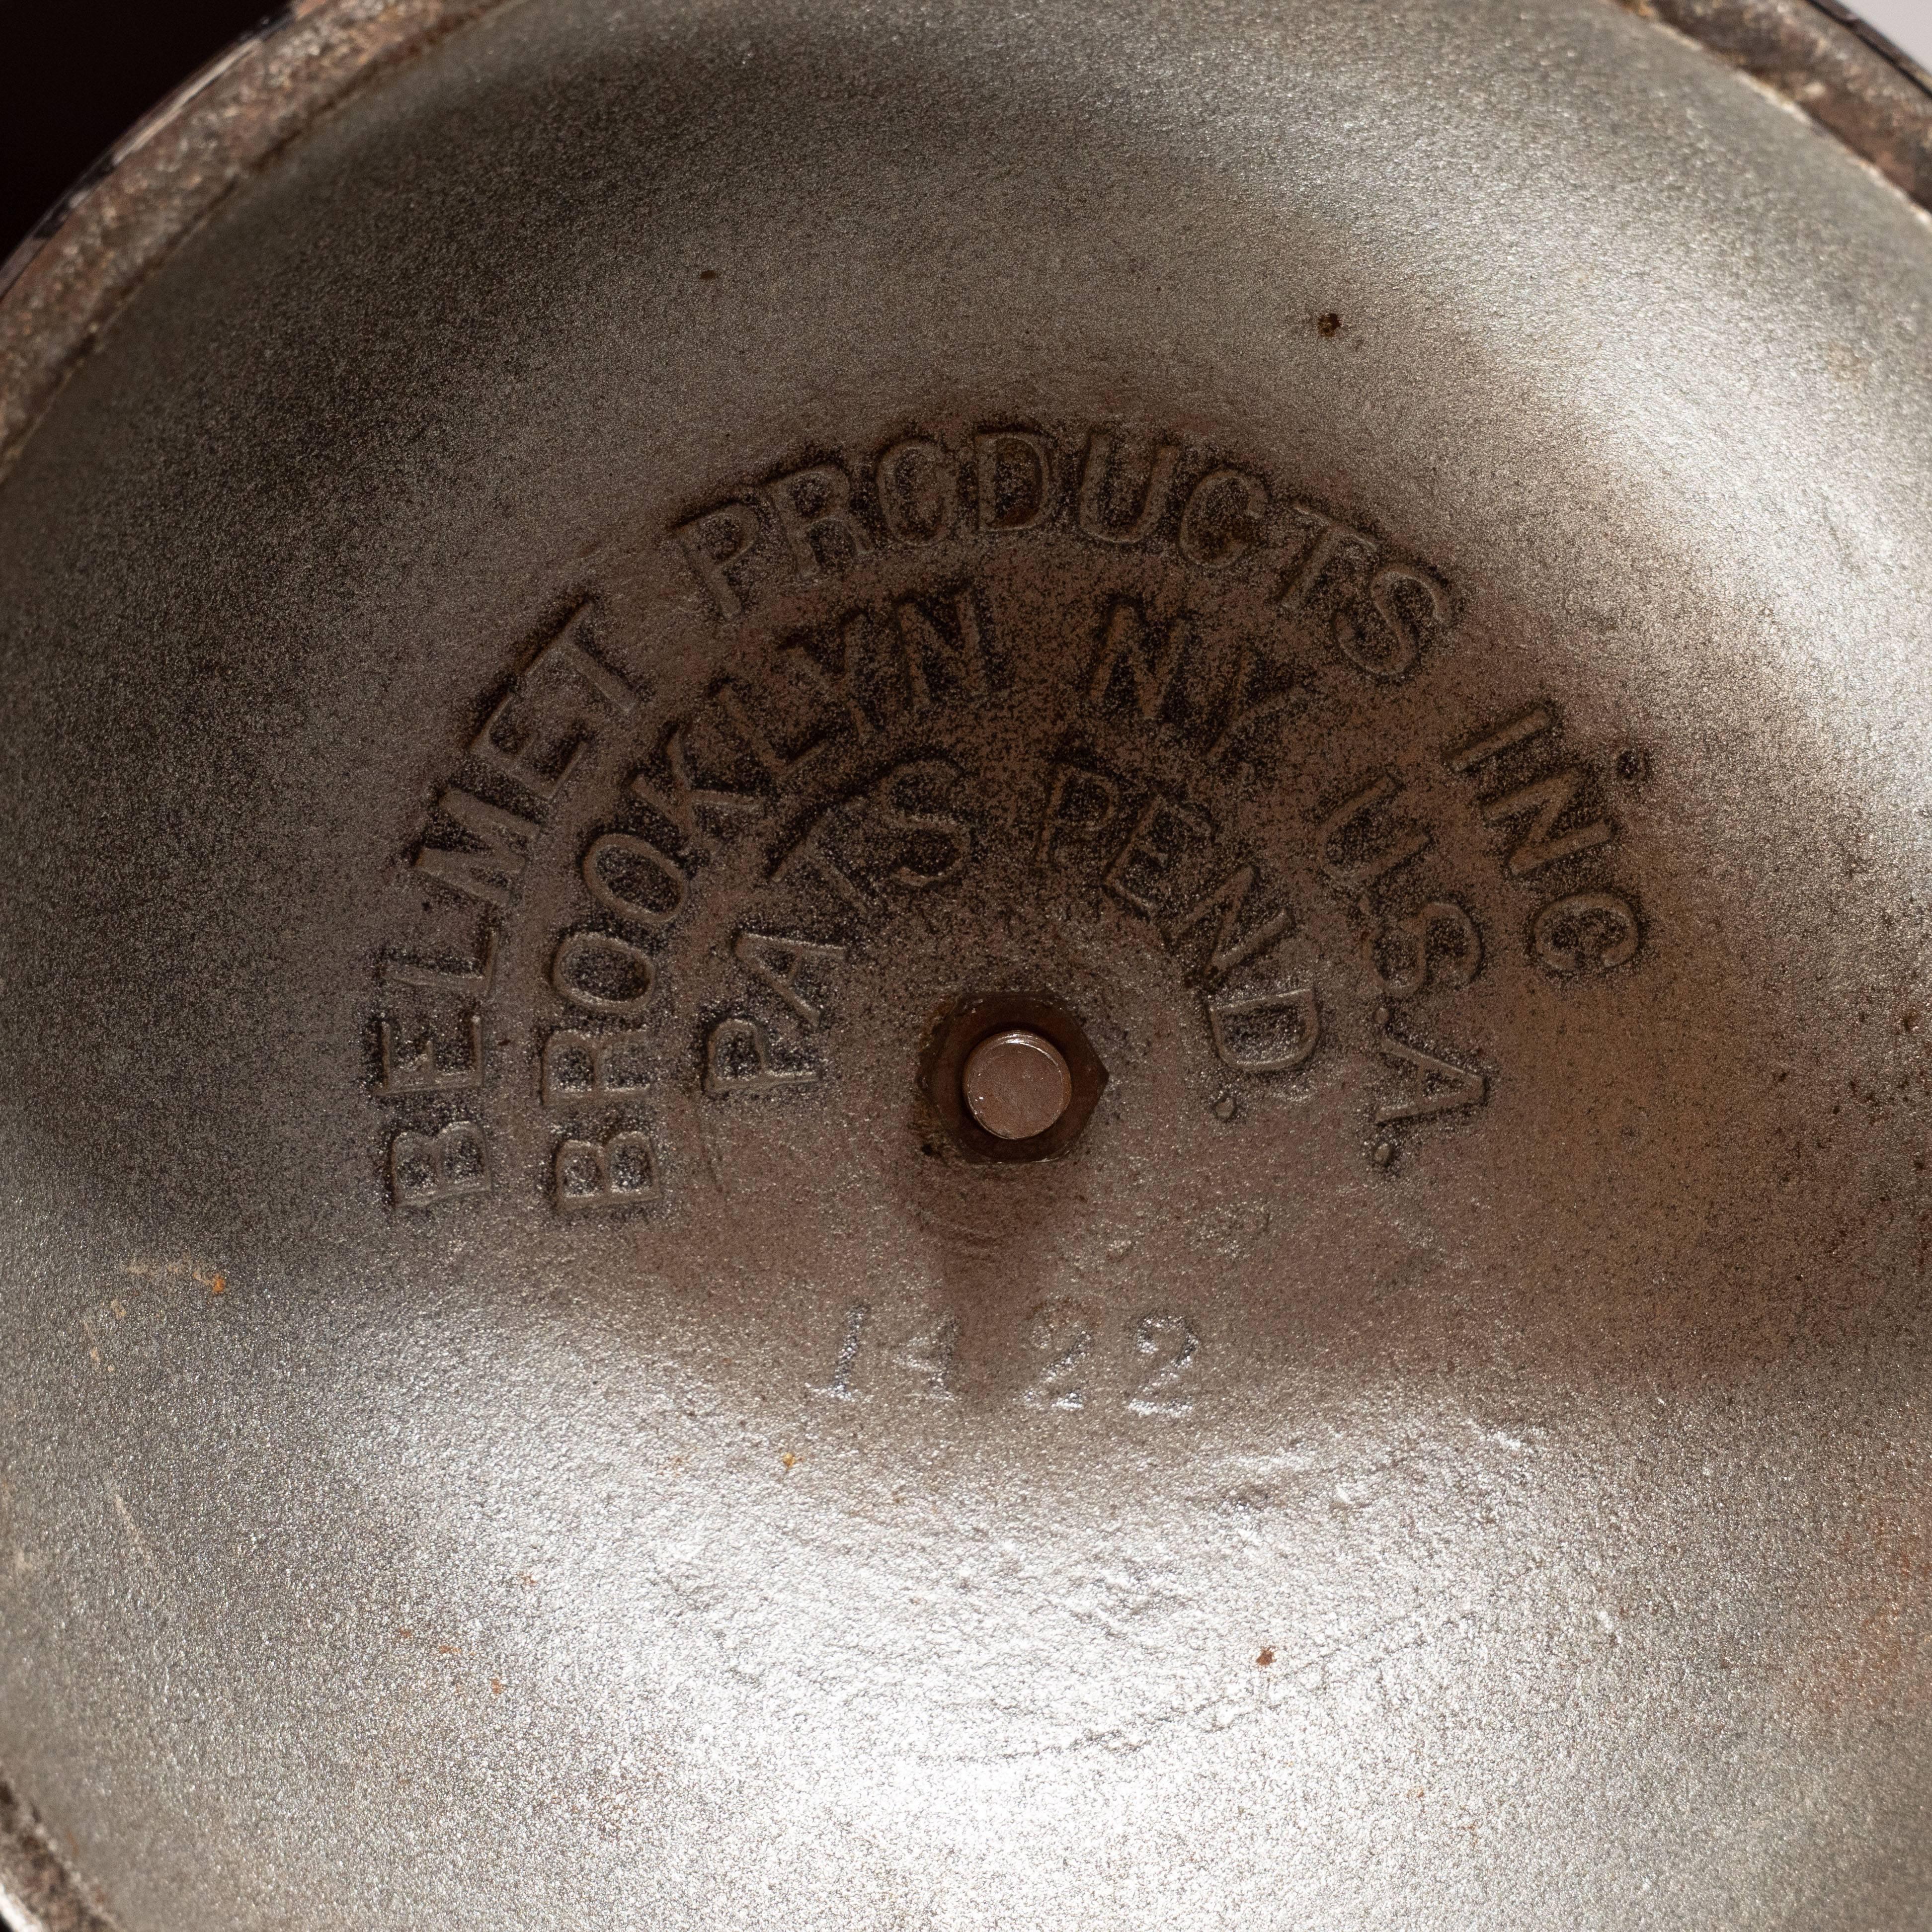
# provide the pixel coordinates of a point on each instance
(1060, 1340)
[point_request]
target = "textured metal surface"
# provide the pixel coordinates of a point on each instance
(67, 280)
(1377, 556)
(39, 1890)
(1856, 84)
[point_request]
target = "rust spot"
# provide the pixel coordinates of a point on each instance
(406, 1633)
(788, 1460)
(1328, 324)
(497, 1686)
(219, 1286)
(448, 1650)
(1265, 1659)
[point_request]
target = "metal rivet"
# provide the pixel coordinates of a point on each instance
(1017, 1084)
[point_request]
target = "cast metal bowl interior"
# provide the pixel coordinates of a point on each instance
(574, 576)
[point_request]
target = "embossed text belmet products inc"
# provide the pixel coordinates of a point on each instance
(820, 759)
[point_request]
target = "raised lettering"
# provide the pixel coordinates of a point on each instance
(740, 522)
(602, 974)
(1095, 492)
(1170, 1341)
(839, 687)
(777, 963)
(619, 1172)
(931, 1356)
(898, 505)
(1357, 875)
(1596, 930)
(1550, 798)
(953, 832)
(540, 770)
(687, 800)
(812, 504)
(963, 655)
(813, 848)
(1455, 1088)
(1421, 958)
(1066, 783)
(840, 1386)
(1150, 655)
(1064, 1334)
(1213, 540)
(1494, 744)
(738, 1059)
(1143, 851)
(426, 1169)
(1395, 658)
(421, 1072)
(1231, 946)
(567, 653)
(475, 980)
(1331, 537)
(615, 869)
(592, 1069)
(542, 765)
(1242, 715)
(490, 869)
(1261, 1044)
(776, 762)
(1001, 506)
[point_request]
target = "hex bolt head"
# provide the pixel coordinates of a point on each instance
(1017, 1084)
(1012, 1077)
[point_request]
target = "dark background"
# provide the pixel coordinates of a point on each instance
(75, 75)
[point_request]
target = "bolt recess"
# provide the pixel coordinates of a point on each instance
(1013, 1078)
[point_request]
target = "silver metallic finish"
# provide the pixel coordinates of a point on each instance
(1017, 1084)
(1378, 556)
